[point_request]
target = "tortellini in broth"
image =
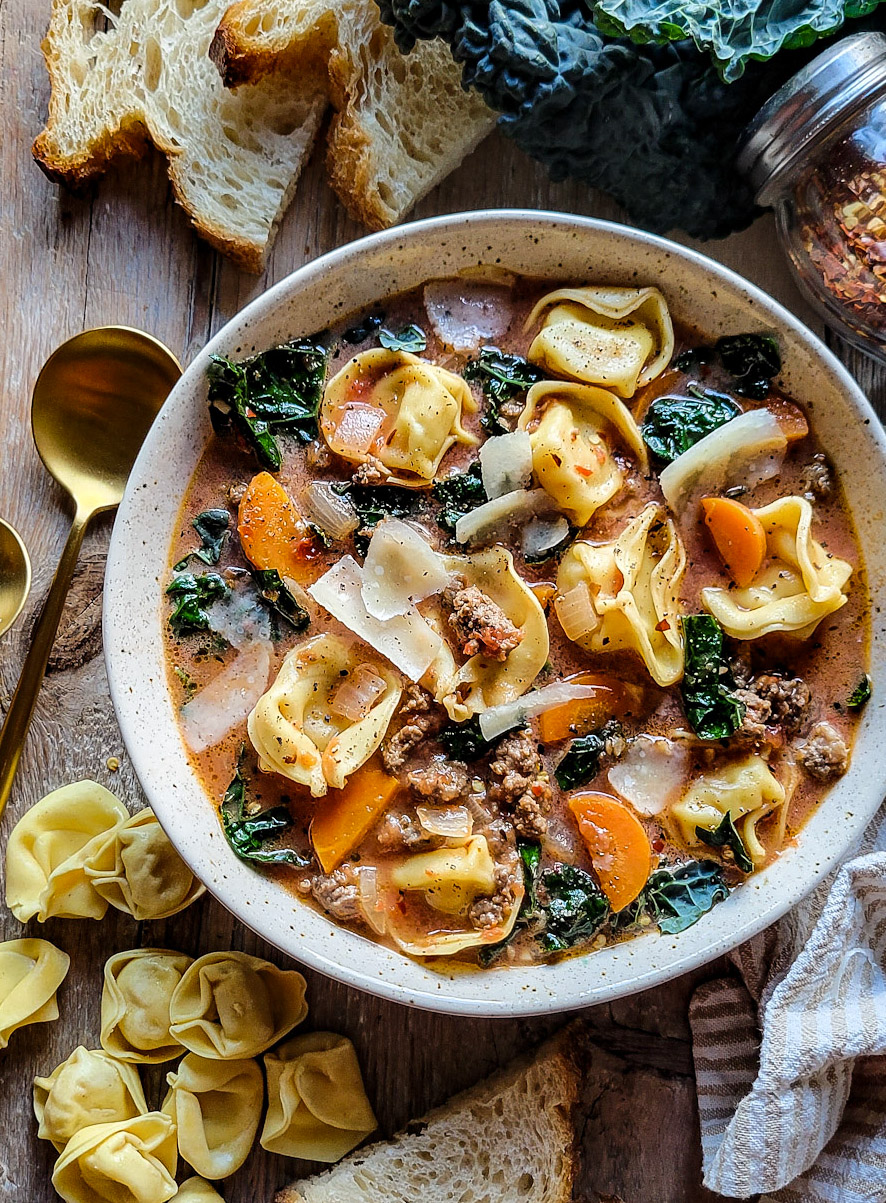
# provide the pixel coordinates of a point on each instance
(30, 973)
(746, 789)
(633, 586)
(90, 1087)
(618, 337)
(131, 1161)
(396, 408)
(295, 728)
(216, 1106)
(138, 989)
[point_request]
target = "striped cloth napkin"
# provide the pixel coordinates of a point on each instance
(789, 1061)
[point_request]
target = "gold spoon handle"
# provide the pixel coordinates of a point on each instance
(21, 708)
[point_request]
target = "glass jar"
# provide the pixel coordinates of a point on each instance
(816, 153)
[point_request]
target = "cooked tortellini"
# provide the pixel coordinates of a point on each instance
(747, 789)
(216, 1106)
(481, 681)
(30, 973)
(90, 1087)
(571, 427)
(296, 731)
(799, 584)
(138, 988)
(619, 337)
(47, 850)
(197, 1190)
(317, 1104)
(230, 1005)
(397, 409)
(632, 589)
(137, 870)
(131, 1161)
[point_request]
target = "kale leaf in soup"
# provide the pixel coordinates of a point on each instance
(411, 338)
(459, 494)
(503, 379)
(674, 424)
(193, 597)
(713, 710)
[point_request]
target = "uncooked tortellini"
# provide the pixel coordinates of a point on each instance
(216, 1106)
(296, 731)
(746, 788)
(30, 973)
(197, 1190)
(131, 1161)
(47, 849)
(633, 586)
(799, 584)
(571, 429)
(619, 337)
(90, 1087)
(138, 871)
(230, 1005)
(395, 408)
(139, 985)
(317, 1106)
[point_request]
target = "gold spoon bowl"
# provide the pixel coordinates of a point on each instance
(15, 575)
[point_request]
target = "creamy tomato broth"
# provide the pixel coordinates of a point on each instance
(549, 628)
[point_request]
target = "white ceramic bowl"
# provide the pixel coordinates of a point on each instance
(558, 247)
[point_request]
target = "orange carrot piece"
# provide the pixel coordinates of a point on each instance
(344, 816)
(271, 531)
(612, 698)
(739, 537)
(790, 418)
(617, 845)
(544, 592)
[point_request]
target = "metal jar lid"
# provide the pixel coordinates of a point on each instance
(849, 76)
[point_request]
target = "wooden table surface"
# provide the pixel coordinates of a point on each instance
(127, 255)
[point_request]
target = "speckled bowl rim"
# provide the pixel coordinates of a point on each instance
(545, 243)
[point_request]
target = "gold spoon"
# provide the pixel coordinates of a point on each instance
(15, 575)
(93, 404)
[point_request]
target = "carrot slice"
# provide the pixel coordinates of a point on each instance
(790, 418)
(344, 816)
(739, 536)
(271, 531)
(617, 845)
(611, 698)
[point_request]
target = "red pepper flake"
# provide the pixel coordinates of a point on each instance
(583, 471)
(664, 625)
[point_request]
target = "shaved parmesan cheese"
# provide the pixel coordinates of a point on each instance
(487, 521)
(506, 463)
(228, 698)
(745, 451)
(400, 568)
(409, 642)
(498, 719)
(465, 313)
(651, 774)
(542, 534)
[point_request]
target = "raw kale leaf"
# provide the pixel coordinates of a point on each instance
(860, 695)
(725, 835)
(364, 329)
(676, 898)
(464, 741)
(712, 709)
(374, 502)
(582, 761)
(575, 908)
(459, 494)
(275, 594)
(248, 835)
(212, 527)
(674, 424)
(411, 338)
(276, 392)
(502, 378)
(193, 595)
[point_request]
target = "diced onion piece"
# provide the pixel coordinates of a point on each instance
(651, 774)
(498, 719)
(576, 612)
(506, 463)
(370, 901)
(744, 451)
(543, 533)
(400, 568)
(356, 695)
(226, 701)
(327, 510)
(451, 822)
(409, 642)
(483, 524)
(465, 313)
(356, 426)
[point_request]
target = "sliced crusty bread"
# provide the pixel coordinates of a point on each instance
(234, 157)
(403, 121)
(509, 1139)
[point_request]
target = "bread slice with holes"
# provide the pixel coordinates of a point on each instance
(234, 157)
(403, 122)
(510, 1139)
